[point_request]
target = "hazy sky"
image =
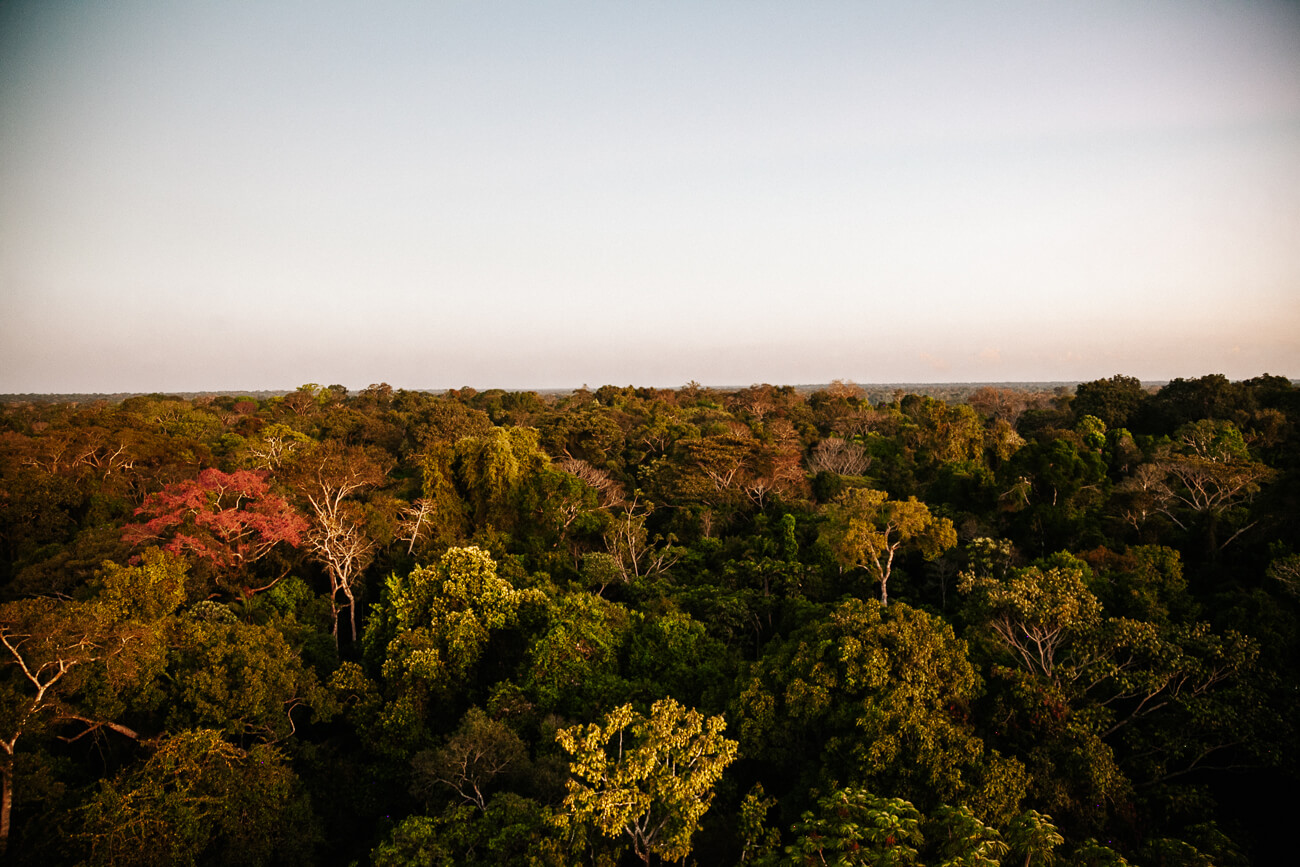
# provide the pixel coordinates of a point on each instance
(243, 195)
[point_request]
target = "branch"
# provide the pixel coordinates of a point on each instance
(95, 725)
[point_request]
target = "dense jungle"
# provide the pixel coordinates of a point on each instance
(630, 625)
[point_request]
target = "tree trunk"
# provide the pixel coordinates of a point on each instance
(6, 802)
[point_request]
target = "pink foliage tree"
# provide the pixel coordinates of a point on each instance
(231, 520)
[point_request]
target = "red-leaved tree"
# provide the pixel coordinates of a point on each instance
(231, 520)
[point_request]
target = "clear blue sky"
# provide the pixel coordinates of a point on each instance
(242, 195)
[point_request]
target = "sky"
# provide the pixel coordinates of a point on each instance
(256, 195)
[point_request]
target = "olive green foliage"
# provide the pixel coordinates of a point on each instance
(962, 840)
(1080, 682)
(243, 678)
(477, 753)
(852, 826)
(511, 831)
(199, 799)
(1038, 614)
(494, 472)
(69, 668)
(1113, 401)
(879, 693)
(1033, 835)
(573, 667)
(436, 624)
(674, 655)
(759, 840)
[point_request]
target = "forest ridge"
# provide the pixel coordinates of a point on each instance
(765, 625)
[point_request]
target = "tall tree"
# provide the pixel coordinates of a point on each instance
(1113, 400)
(231, 520)
(852, 827)
(329, 477)
(68, 664)
(442, 616)
(867, 529)
(877, 697)
(649, 778)
(1209, 475)
(198, 799)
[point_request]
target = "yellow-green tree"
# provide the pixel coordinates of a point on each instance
(444, 615)
(650, 778)
(436, 624)
(868, 529)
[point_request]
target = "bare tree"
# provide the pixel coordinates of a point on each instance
(842, 457)
(1007, 404)
(1143, 492)
(275, 444)
(1209, 487)
(328, 478)
(609, 492)
(628, 542)
(415, 518)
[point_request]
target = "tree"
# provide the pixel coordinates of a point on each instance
(73, 663)
(1086, 691)
(1038, 614)
(941, 433)
(609, 493)
(242, 678)
(1186, 400)
(511, 830)
(1209, 473)
(275, 444)
(1054, 483)
(1033, 835)
(842, 457)
(879, 695)
(442, 616)
(758, 839)
(439, 516)
(199, 799)
(573, 667)
(853, 827)
(231, 520)
(480, 750)
(650, 778)
(1002, 404)
(1114, 400)
(433, 628)
(629, 543)
(328, 477)
(494, 471)
(706, 473)
(868, 530)
(415, 518)
(963, 840)
(44, 641)
(1047, 621)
